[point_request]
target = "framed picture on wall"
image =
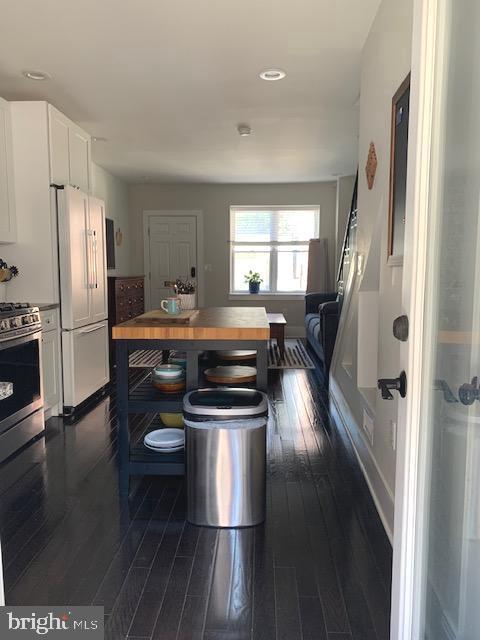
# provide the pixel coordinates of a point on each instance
(398, 172)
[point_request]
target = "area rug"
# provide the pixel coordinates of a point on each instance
(145, 358)
(296, 356)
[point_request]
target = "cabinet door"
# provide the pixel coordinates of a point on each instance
(59, 134)
(85, 363)
(76, 251)
(7, 199)
(98, 263)
(50, 369)
(79, 146)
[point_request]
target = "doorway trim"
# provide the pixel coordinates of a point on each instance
(196, 213)
(427, 50)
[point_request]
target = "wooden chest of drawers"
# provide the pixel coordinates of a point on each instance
(126, 300)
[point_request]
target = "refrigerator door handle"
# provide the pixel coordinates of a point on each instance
(97, 328)
(95, 255)
(90, 266)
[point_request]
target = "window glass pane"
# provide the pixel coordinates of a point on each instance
(292, 263)
(296, 225)
(253, 226)
(255, 258)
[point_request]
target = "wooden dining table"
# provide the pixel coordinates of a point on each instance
(209, 329)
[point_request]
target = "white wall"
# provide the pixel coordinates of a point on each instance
(385, 64)
(115, 194)
(215, 201)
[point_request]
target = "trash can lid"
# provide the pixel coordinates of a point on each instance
(224, 404)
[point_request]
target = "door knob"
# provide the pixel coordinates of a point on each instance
(193, 272)
(386, 385)
(469, 392)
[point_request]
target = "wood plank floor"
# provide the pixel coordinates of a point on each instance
(318, 569)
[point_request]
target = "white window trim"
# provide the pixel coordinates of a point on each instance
(267, 295)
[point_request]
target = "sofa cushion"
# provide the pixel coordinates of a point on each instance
(310, 320)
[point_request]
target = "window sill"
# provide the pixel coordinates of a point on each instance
(266, 296)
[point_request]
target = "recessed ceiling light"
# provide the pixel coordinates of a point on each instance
(244, 130)
(272, 74)
(98, 139)
(35, 75)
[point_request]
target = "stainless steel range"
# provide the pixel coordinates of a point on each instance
(21, 398)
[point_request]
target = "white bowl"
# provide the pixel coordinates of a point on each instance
(165, 438)
(168, 371)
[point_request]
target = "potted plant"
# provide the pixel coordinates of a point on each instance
(186, 292)
(6, 274)
(254, 280)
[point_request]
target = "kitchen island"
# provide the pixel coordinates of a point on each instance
(210, 329)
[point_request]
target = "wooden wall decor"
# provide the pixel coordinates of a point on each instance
(371, 166)
(398, 172)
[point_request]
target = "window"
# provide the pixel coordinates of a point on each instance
(274, 242)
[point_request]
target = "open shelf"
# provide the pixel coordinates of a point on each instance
(144, 398)
(157, 463)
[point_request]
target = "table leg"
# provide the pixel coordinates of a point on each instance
(192, 370)
(281, 340)
(262, 366)
(122, 410)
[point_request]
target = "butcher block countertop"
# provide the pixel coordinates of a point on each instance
(212, 323)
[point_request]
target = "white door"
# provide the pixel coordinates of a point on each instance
(98, 260)
(436, 576)
(172, 254)
(76, 253)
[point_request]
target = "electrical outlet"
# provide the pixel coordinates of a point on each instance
(368, 426)
(393, 434)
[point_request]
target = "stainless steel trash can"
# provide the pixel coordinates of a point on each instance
(225, 444)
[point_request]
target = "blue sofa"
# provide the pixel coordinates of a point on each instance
(322, 311)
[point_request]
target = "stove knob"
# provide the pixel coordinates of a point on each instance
(25, 319)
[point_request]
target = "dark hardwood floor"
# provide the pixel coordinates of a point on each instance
(318, 569)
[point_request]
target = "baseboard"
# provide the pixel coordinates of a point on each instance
(381, 493)
(295, 332)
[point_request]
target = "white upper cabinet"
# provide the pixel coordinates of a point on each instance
(70, 149)
(59, 160)
(79, 158)
(7, 197)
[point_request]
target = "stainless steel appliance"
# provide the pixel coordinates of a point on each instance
(225, 442)
(21, 398)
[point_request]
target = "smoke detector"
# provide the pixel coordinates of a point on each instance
(244, 130)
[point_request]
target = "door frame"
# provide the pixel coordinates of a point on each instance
(427, 49)
(196, 213)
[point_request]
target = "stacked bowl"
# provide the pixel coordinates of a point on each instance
(165, 440)
(169, 378)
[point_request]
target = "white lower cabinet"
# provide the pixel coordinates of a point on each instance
(51, 371)
(85, 362)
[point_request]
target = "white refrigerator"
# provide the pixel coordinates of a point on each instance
(83, 295)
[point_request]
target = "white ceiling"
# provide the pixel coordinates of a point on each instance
(167, 82)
